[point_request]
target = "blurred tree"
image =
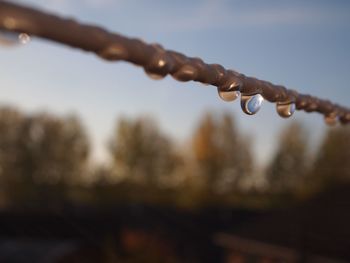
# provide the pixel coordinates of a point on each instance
(223, 156)
(236, 160)
(141, 153)
(288, 168)
(206, 149)
(59, 148)
(40, 155)
(11, 122)
(332, 165)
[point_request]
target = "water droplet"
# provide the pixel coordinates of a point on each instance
(113, 52)
(186, 73)
(24, 38)
(285, 109)
(251, 104)
(331, 119)
(153, 75)
(158, 68)
(228, 95)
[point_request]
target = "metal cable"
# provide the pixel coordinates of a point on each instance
(158, 62)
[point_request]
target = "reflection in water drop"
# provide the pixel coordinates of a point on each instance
(251, 104)
(161, 63)
(228, 95)
(285, 109)
(331, 119)
(23, 38)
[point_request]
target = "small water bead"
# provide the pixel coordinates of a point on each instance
(24, 38)
(158, 68)
(228, 95)
(113, 52)
(251, 104)
(285, 109)
(186, 73)
(153, 75)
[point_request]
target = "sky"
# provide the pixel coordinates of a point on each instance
(303, 45)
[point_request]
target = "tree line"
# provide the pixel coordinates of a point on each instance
(45, 162)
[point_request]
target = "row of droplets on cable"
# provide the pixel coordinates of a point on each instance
(250, 104)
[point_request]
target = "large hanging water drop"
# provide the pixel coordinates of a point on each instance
(228, 95)
(285, 109)
(251, 104)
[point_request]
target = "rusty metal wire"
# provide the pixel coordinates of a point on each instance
(156, 60)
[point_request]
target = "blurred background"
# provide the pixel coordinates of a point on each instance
(100, 163)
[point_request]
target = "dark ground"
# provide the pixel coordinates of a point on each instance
(139, 233)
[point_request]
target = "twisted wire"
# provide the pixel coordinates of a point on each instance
(155, 59)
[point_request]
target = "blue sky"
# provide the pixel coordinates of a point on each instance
(301, 44)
